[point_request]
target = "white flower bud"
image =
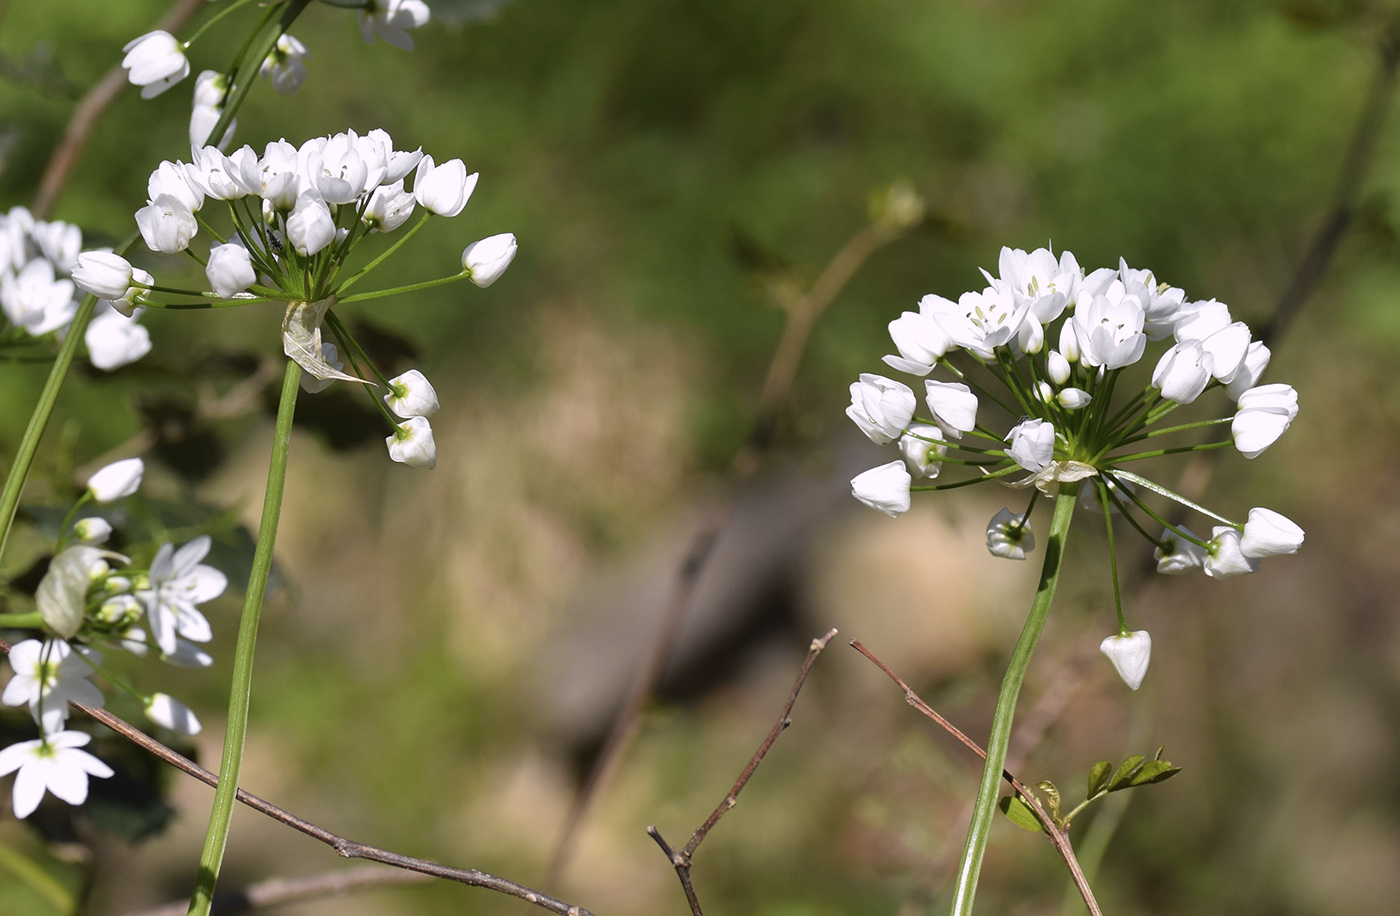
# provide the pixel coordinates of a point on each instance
(117, 480)
(388, 207)
(1031, 336)
(173, 178)
(1069, 341)
(166, 224)
(443, 189)
(1032, 444)
(92, 530)
(310, 226)
(411, 395)
(1225, 559)
(1008, 537)
(1227, 348)
(1256, 360)
(923, 450)
(1269, 534)
(885, 488)
(1057, 366)
(155, 62)
(1184, 371)
(486, 260)
(230, 270)
(163, 709)
(954, 407)
(920, 341)
(284, 67)
(203, 120)
(882, 408)
(1264, 415)
(412, 444)
(1130, 655)
(103, 274)
(1175, 555)
(1074, 398)
(1044, 392)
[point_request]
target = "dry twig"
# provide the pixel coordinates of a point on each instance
(681, 859)
(1057, 837)
(278, 891)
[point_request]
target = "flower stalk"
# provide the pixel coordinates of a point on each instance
(965, 888)
(216, 839)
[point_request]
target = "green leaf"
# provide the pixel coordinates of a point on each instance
(1098, 777)
(1153, 771)
(1020, 813)
(1124, 773)
(1052, 796)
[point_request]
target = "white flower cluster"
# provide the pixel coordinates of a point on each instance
(157, 60)
(84, 598)
(38, 296)
(1065, 425)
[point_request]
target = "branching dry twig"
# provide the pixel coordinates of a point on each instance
(344, 847)
(279, 891)
(89, 110)
(803, 312)
(1057, 837)
(681, 859)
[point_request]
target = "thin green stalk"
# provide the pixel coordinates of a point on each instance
(1159, 452)
(1112, 554)
(358, 275)
(25, 621)
(965, 888)
(241, 691)
(250, 60)
(410, 288)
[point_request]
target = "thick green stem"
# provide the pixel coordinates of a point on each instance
(971, 865)
(217, 837)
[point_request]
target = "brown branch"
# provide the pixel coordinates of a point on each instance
(802, 315)
(278, 891)
(1057, 837)
(89, 110)
(681, 859)
(344, 847)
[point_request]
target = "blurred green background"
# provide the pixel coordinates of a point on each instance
(431, 673)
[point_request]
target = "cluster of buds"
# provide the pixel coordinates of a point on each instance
(297, 214)
(1065, 426)
(158, 60)
(91, 596)
(39, 299)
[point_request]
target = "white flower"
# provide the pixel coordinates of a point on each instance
(113, 339)
(1032, 444)
(335, 167)
(51, 764)
(389, 207)
(885, 488)
(1176, 555)
(882, 408)
(1057, 367)
(155, 62)
(203, 120)
(217, 175)
(1225, 559)
(923, 449)
(163, 709)
(1184, 371)
(1110, 329)
(313, 385)
(486, 260)
(284, 66)
(388, 19)
(310, 226)
(230, 270)
(1256, 360)
(443, 189)
(117, 480)
(412, 443)
(919, 339)
(103, 274)
(178, 582)
(1044, 392)
(276, 176)
(1227, 348)
(92, 530)
(411, 395)
(983, 321)
(34, 300)
(1129, 654)
(954, 407)
(1162, 307)
(1265, 413)
(48, 676)
(173, 178)
(166, 224)
(1199, 320)
(1074, 398)
(1008, 536)
(1269, 534)
(1037, 277)
(60, 242)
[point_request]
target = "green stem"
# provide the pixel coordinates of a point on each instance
(410, 288)
(25, 621)
(360, 274)
(250, 61)
(969, 868)
(241, 691)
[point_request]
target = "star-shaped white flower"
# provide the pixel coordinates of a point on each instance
(48, 675)
(178, 583)
(52, 764)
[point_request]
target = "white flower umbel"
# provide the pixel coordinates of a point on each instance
(285, 67)
(1130, 653)
(155, 62)
(116, 480)
(885, 488)
(48, 676)
(411, 395)
(178, 582)
(1009, 536)
(51, 764)
(412, 443)
(1269, 534)
(881, 408)
(390, 20)
(163, 709)
(486, 260)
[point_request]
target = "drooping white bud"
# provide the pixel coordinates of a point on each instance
(411, 395)
(1225, 560)
(881, 407)
(1009, 537)
(1176, 555)
(954, 407)
(923, 450)
(885, 488)
(92, 530)
(163, 709)
(1130, 654)
(412, 444)
(1269, 534)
